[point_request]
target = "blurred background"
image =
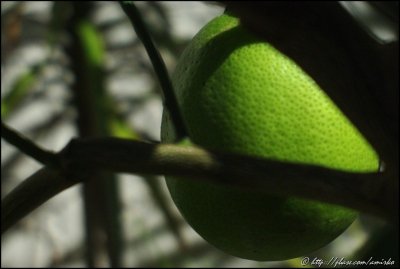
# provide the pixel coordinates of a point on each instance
(72, 70)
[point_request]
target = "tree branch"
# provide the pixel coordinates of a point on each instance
(372, 193)
(362, 191)
(33, 192)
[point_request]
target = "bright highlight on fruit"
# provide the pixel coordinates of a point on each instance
(239, 94)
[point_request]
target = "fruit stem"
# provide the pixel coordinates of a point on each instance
(170, 99)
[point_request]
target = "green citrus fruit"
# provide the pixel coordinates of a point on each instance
(239, 94)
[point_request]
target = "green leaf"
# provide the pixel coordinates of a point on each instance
(20, 89)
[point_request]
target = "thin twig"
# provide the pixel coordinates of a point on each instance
(161, 200)
(28, 147)
(169, 96)
(100, 193)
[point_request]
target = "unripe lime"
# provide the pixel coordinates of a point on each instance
(239, 94)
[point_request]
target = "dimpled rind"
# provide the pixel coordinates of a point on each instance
(240, 94)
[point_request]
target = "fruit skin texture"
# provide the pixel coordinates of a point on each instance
(239, 94)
